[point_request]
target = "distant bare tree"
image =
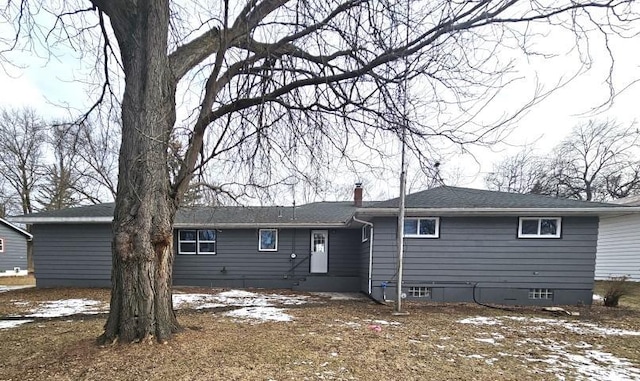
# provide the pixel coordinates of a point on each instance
(597, 161)
(61, 176)
(98, 143)
(520, 173)
(22, 142)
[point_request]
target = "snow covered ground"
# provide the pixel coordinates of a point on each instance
(579, 360)
(252, 307)
(571, 354)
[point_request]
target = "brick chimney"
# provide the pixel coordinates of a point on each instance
(357, 195)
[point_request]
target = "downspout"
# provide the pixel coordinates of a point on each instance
(367, 223)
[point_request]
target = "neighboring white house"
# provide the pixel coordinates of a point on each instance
(618, 250)
(13, 249)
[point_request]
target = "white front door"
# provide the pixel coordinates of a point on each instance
(319, 251)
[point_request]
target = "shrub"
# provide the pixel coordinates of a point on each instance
(615, 288)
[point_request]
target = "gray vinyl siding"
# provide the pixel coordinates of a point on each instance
(80, 255)
(619, 247)
(72, 255)
(482, 257)
(14, 252)
(364, 264)
(238, 263)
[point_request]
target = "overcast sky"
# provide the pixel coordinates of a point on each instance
(42, 83)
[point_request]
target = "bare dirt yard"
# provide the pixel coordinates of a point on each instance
(50, 334)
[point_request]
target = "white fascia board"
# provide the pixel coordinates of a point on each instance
(60, 220)
(16, 228)
(262, 225)
(414, 212)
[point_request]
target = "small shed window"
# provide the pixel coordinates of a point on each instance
(1, 245)
(268, 240)
(197, 241)
(539, 227)
(423, 227)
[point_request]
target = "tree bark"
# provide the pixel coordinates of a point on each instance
(141, 306)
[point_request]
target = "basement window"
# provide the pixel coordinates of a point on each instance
(539, 227)
(197, 241)
(419, 292)
(540, 293)
(423, 227)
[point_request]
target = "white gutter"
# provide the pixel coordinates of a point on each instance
(599, 211)
(370, 275)
(19, 230)
(67, 220)
(247, 225)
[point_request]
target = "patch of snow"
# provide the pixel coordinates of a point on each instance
(260, 314)
(480, 320)
(235, 298)
(597, 298)
(66, 307)
(14, 273)
(579, 327)
(474, 356)
(384, 322)
(589, 365)
(487, 340)
(11, 288)
(6, 324)
(541, 324)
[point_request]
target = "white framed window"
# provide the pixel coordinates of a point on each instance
(192, 241)
(540, 293)
(268, 240)
(366, 233)
(419, 292)
(423, 227)
(539, 227)
(1, 245)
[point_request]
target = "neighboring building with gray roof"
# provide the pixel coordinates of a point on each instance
(13, 249)
(460, 245)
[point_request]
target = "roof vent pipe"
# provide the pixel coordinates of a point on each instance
(357, 195)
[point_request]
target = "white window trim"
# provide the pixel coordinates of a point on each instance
(538, 235)
(1, 245)
(366, 232)
(260, 239)
(437, 231)
(214, 242)
(197, 242)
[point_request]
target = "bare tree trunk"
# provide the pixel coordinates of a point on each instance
(141, 306)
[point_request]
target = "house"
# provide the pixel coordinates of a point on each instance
(618, 252)
(460, 245)
(13, 249)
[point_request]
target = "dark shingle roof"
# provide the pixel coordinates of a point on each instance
(99, 210)
(454, 197)
(315, 213)
(465, 200)
(319, 212)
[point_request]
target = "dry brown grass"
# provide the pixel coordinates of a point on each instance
(327, 340)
